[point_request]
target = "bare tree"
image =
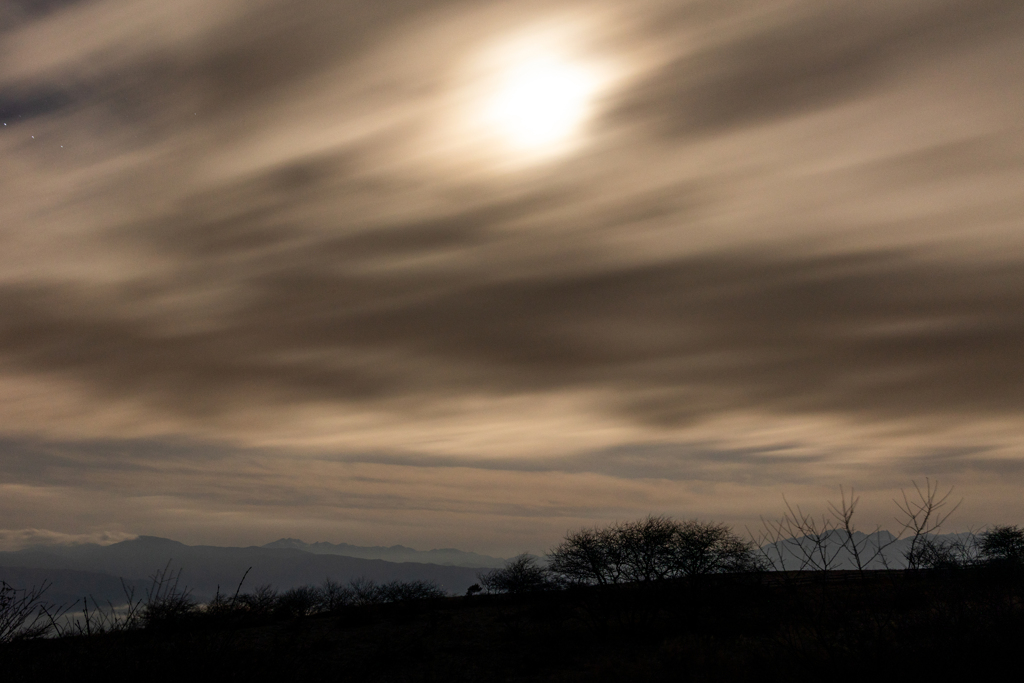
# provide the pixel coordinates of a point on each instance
(334, 596)
(812, 543)
(260, 601)
(706, 548)
(862, 551)
(650, 549)
(521, 574)
(23, 612)
(582, 558)
(301, 601)
(922, 516)
(804, 537)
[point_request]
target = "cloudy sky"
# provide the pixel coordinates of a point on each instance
(454, 273)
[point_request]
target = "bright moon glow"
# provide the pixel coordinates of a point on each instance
(528, 98)
(541, 101)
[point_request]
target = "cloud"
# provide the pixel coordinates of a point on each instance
(261, 223)
(202, 492)
(789, 61)
(13, 12)
(329, 274)
(17, 539)
(881, 334)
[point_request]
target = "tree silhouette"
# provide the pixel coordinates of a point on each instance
(650, 549)
(1003, 545)
(521, 574)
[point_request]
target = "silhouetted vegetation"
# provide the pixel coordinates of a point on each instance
(1003, 545)
(521, 574)
(654, 599)
(651, 549)
(23, 613)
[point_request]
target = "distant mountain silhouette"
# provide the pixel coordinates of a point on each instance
(205, 568)
(395, 553)
(95, 571)
(67, 586)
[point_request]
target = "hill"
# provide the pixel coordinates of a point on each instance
(779, 626)
(394, 553)
(205, 568)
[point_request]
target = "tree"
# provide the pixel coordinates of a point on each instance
(801, 536)
(301, 601)
(706, 548)
(866, 549)
(922, 516)
(1003, 545)
(803, 541)
(650, 549)
(582, 558)
(521, 574)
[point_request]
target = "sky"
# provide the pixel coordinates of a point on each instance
(471, 274)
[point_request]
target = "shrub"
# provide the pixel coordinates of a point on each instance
(334, 596)
(942, 554)
(261, 601)
(166, 603)
(1003, 545)
(650, 549)
(706, 548)
(521, 574)
(23, 613)
(404, 591)
(299, 602)
(365, 592)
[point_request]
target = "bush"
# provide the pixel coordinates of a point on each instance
(1003, 545)
(521, 574)
(945, 554)
(261, 601)
(404, 591)
(166, 603)
(585, 556)
(334, 596)
(650, 549)
(23, 613)
(299, 602)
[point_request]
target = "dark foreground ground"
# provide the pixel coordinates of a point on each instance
(923, 626)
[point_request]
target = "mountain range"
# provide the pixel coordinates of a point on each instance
(394, 553)
(96, 570)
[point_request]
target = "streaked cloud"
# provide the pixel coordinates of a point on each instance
(786, 249)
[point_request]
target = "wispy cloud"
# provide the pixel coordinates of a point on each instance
(17, 539)
(788, 244)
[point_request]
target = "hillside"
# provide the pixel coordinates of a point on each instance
(916, 626)
(205, 568)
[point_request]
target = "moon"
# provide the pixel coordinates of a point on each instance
(529, 98)
(540, 101)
